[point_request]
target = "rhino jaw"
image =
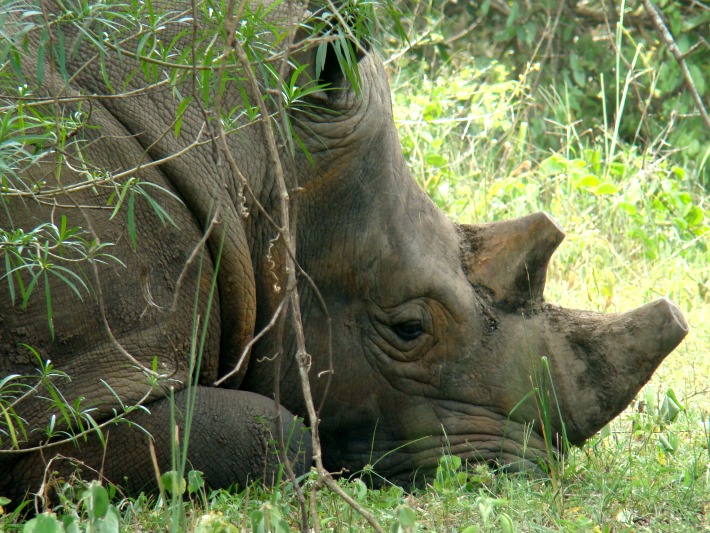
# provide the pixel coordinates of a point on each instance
(600, 362)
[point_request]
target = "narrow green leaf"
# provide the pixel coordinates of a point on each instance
(121, 197)
(131, 220)
(8, 416)
(180, 112)
(159, 210)
(48, 301)
(30, 287)
(40, 57)
(62, 273)
(321, 54)
(8, 275)
(59, 51)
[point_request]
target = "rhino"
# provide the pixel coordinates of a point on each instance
(423, 336)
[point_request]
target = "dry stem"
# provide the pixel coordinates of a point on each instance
(667, 38)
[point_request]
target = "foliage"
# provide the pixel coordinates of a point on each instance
(91, 509)
(584, 51)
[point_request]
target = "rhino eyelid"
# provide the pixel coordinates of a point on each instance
(409, 330)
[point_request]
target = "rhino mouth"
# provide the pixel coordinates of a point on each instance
(474, 434)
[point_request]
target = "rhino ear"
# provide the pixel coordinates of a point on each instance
(328, 51)
(509, 259)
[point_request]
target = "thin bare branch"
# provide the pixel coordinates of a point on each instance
(33, 101)
(669, 41)
(250, 344)
(288, 233)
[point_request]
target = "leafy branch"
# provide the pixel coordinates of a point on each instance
(40, 252)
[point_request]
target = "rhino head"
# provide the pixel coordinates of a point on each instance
(439, 330)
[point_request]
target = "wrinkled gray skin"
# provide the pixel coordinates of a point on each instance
(436, 328)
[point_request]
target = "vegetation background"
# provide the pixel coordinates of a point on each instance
(506, 107)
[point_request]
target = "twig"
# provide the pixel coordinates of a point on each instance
(667, 38)
(35, 101)
(250, 344)
(288, 235)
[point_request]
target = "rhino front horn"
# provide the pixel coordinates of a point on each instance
(611, 358)
(509, 259)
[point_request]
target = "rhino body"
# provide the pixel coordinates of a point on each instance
(428, 340)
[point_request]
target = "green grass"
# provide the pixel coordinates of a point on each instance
(636, 223)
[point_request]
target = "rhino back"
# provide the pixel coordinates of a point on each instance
(140, 306)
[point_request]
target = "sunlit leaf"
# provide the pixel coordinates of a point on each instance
(606, 188)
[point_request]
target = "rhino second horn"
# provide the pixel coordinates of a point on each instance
(509, 259)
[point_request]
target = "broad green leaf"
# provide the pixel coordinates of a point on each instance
(605, 431)
(111, 523)
(695, 216)
(606, 188)
(359, 489)
(669, 442)
(195, 481)
(505, 523)
(680, 223)
(44, 523)
(679, 172)
(96, 501)
(173, 483)
(670, 407)
(589, 181)
(698, 78)
(407, 516)
(436, 160)
(553, 165)
(629, 208)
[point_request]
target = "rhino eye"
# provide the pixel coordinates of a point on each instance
(408, 331)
